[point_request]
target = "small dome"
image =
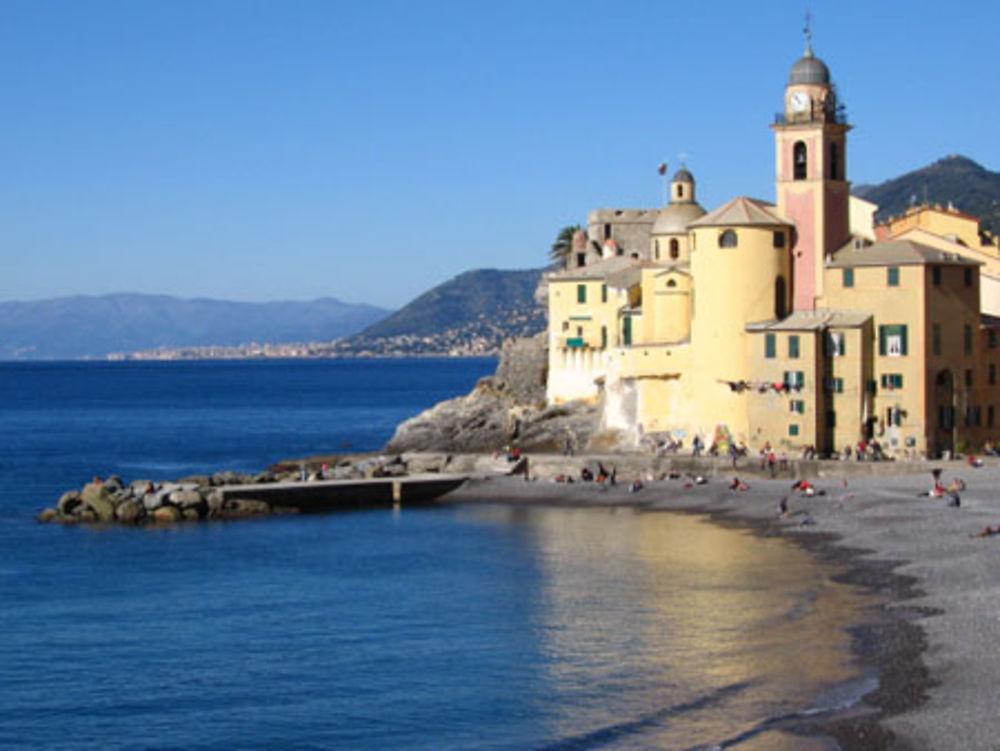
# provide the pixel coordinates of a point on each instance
(675, 217)
(809, 69)
(683, 176)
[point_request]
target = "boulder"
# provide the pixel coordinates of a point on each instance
(166, 515)
(190, 514)
(195, 480)
(100, 500)
(68, 502)
(185, 498)
(48, 515)
(130, 511)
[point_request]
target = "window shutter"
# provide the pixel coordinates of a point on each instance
(902, 335)
(881, 340)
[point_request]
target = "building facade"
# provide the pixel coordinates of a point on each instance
(798, 324)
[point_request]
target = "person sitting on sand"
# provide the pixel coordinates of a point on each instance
(988, 531)
(635, 487)
(738, 484)
(974, 462)
(586, 475)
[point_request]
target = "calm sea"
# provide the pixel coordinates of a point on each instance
(475, 627)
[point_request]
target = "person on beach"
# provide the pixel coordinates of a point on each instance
(771, 459)
(783, 507)
(635, 487)
(697, 446)
(974, 462)
(988, 531)
(738, 484)
(586, 475)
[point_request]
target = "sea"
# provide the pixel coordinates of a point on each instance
(474, 626)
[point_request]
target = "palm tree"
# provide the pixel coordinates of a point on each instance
(563, 246)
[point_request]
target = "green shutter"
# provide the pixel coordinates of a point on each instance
(769, 346)
(893, 276)
(848, 278)
(793, 346)
(627, 330)
(902, 335)
(881, 340)
(581, 293)
(604, 293)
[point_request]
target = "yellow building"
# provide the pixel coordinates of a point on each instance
(797, 323)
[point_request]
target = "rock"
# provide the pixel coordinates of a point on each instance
(130, 511)
(214, 502)
(195, 480)
(99, 498)
(68, 502)
(166, 515)
(48, 515)
(226, 478)
(114, 484)
(264, 477)
(190, 514)
(86, 514)
(139, 487)
(185, 498)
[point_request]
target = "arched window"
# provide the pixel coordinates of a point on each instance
(780, 298)
(728, 239)
(835, 171)
(680, 191)
(675, 248)
(671, 283)
(799, 161)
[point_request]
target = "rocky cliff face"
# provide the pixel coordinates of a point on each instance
(507, 408)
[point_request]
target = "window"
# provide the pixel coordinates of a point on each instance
(968, 378)
(780, 298)
(565, 325)
(794, 378)
(779, 239)
(893, 417)
(992, 377)
(581, 259)
(831, 419)
(968, 339)
(936, 338)
(833, 385)
(627, 330)
(604, 337)
(769, 346)
(671, 283)
(680, 191)
(946, 418)
(835, 344)
(793, 430)
(797, 405)
(675, 248)
(799, 161)
(607, 231)
(728, 239)
(581, 293)
(604, 293)
(893, 276)
(989, 416)
(872, 386)
(848, 278)
(936, 276)
(892, 381)
(657, 250)
(968, 277)
(793, 345)
(892, 340)
(973, 417)
(992, 338)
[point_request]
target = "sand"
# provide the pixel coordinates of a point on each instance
(935, 634)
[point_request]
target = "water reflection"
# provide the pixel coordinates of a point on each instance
(665, 631)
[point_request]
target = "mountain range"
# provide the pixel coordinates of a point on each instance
(96, 326)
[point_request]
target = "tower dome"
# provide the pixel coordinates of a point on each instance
(809, 69)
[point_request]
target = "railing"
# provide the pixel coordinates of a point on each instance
(806, 118)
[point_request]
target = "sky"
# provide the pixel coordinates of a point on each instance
(368, 150)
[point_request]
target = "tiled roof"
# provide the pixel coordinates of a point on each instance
(814, 320)
(741, 212)
(896, 253)
(596, 270)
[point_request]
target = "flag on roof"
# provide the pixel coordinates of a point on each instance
(662, 169)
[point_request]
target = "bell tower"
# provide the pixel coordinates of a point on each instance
(810, 167)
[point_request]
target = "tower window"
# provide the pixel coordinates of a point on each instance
(780, 298)
(892, 276)
(968, 277)
(581, 259)
(848, 278)
(675, 248)
(607, 231)
(799, 161)
(728, 239)
(779, 239)
(835, 162)
(680, 191)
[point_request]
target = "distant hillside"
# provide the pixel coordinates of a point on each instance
(85, 326)
(472, 313)
(958, 180)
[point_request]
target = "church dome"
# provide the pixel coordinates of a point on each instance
(682, 175)
(809, 69)
(675, 217)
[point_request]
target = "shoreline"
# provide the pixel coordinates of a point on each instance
(924, 633)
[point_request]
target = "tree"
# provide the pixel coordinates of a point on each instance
(563, 245)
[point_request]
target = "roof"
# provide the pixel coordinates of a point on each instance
(630, 275)
(814, 320)
(597, 270)
(683, 175)
(896, 253)
(809, 69)
(741, 212)
(675, 217)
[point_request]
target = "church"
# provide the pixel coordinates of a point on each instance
(800, 323)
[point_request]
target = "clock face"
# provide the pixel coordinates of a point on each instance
(799, 101)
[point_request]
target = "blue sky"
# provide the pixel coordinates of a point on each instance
(368, 150)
